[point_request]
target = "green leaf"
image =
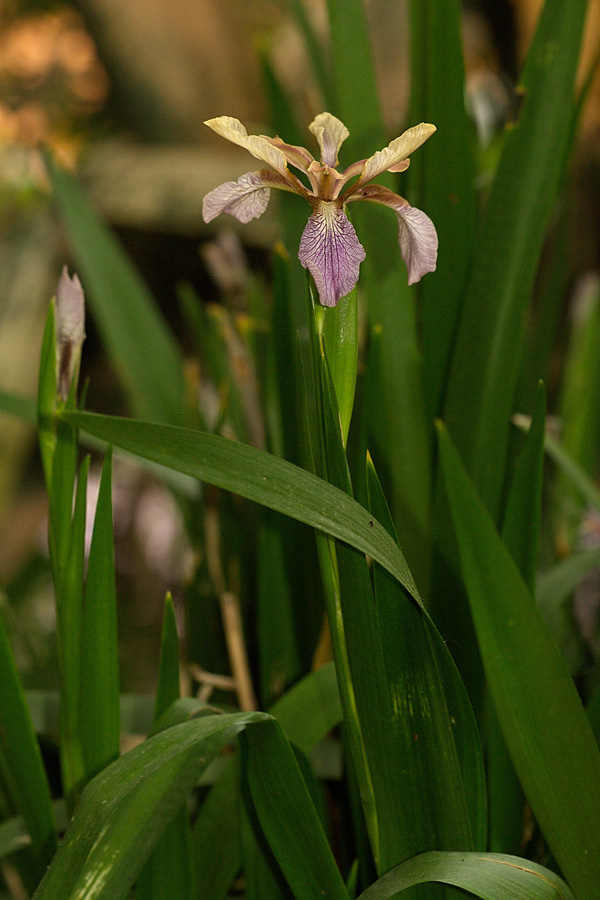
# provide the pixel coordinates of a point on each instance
(21, 762)
(523, 513)
(99, 698)
(287, 815)
(169, 871)
(545, 727)
(315, 51)
(125, 809)
(168, 690)
(258, 476)
(441, 796)
(492, 876)
(556, 584)
(580, 408)
(68, 589)
(278, 652)
(307, 712)
(445, 191)
(489, 341)
(23, 408)
(340, 336)
(520, 532)
(133, 331)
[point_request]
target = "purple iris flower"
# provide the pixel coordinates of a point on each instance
(329, 247)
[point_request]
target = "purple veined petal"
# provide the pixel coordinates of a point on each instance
(417, 236)
(331, 251)
(394, 157)
(258, 146)
(244, 199)
(331, 134)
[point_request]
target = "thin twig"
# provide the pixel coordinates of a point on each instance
(230, 613)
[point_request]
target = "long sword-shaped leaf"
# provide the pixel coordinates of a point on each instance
(487, 355)
(287, 815)
(444, 189)
(306, 713)
(125, 809)
(543, 721)
(490, 876)
(258, 476)
(99, 694)
(21, 762)
(169, 871)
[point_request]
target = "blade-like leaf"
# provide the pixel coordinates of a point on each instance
(99, 697)
(23, 408)
(491, 876)
(446, 191)
(306, 713)
(433, 728)
(21, 762)
(523, 513)
(257, 476)
(125, 809)
(489, 341)
(287, 815)
(169, 871)
(544, 724)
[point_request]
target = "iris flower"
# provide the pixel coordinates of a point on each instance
(329, 247)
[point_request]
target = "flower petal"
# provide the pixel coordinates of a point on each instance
(244, 199)
(331, 134)
(394, 157)
(257, 145)
(417, 236)
(331, 251)
(296, 156)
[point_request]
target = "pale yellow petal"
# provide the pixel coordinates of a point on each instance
(396, 152)
(331, 134)
(233, 130)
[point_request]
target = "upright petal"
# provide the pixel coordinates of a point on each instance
(244, 199)
(331, 134)
(258, 146)
(70, 329)
(394, 157)
(331, 251)
(417, 236)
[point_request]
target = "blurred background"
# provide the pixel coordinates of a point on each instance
(119, 92)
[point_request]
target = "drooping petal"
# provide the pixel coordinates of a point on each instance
(244, 199)
(257, 145)
(331, 251)
(394, 157)
(331, 134)
(417, 236)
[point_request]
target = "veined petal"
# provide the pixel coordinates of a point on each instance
(244, 199)
(394, 157)
(417, 236)
(257, 145)
(331, 134)
(299, 157)
(331, 251)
